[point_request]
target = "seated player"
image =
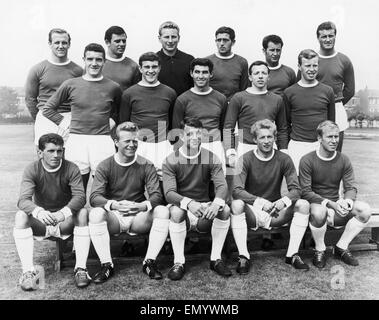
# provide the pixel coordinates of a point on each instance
(119, 204)
(187, 174)
(257, 199)
(320, 174)
(51, 205)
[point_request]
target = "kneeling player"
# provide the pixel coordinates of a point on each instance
(187, 174)
(56, 211)
(320, 174)
(120, 205)
(258, 202)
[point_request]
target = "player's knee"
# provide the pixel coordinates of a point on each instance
(97, 215)
(318, 215)
(82, 218)
(224, 214)
(237, 207)
(161, 212)
(21, 220)
(177, 215)
(302, 206)
(363, 210)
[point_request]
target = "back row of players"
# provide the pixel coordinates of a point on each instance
(87, 106)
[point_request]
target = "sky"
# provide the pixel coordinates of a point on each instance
(24, 26)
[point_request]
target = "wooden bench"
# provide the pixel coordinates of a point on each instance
(61, 261)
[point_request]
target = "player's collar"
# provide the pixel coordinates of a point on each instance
(202, 93)
(223, 57)
(52, 170)
(60, 63)
(307, 85)
(114, 59)
(255, 92)
(264, 159)
(328, 57)
(124, 164)
(143, 84)
(92, 79)
(187, 156)
(275, 68)
(323, 158)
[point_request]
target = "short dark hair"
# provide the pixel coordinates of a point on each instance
(149, 56)
(201, 62)
(258, 63)
(113, 30)
(306, 54)
(94, 47)
(60, 31)
(328, 25)
(263, 124)
(191, 122)
(126, 126)
(325, 124)
(168, 25)
(227, 30)
(271, 38)
(50, 138)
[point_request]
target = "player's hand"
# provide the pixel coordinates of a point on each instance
(58, 216)
(342, 207)
(135, 208)
(278, 205)
(268, 206)
(232, 160)
(46, 218)
(211, 211)
(196, 208)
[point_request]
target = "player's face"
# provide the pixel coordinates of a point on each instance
(329, 140)
(191, 137)
(117, 45)
(259, 76)
(327, 39)
(127, 144)
(265, 141)
(224, 44)
(93, 63)
(201, 76)
(150, 71)
(309, 69)
(169, 39)
(273, 53)
(51, 156)
(59, 44)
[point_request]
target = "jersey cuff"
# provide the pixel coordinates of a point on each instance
(350, 203)
(219, 201)
(36, 211)
(148, 205)
(259, 203)
(107, 206)
(287, 201)
(184, 203)
(66, 212)
(324, 202)
(230, 152)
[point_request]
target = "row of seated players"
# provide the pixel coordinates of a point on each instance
(119, 204)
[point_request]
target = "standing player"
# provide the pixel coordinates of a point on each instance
(175, 71)
(45, 78)
(204, 103)
(308, 102)
(335, 70)
(94, 102)
(257, 197)
(50, 203)
(281, 76)
(120, 205)
(249, 106)
(187, 174)
(149, 105)
(118, 68)
(230, 72)
(321, 172)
